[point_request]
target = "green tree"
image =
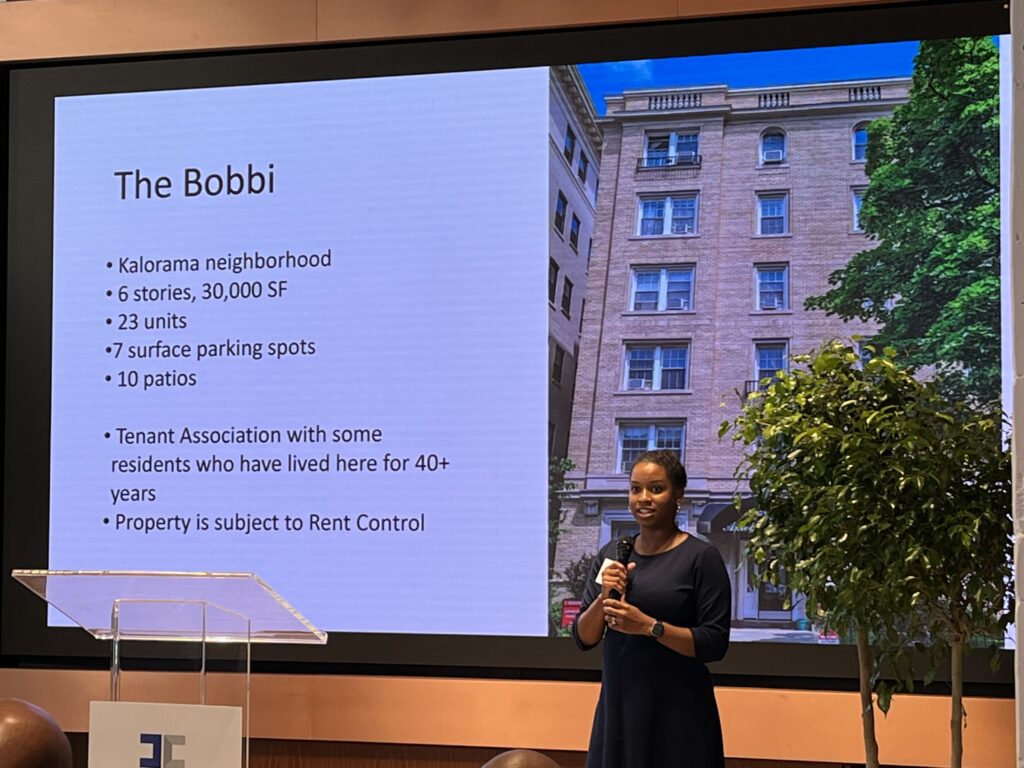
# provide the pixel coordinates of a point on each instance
(880, 501)
(557, 486)
(961, 556)
(932, 203)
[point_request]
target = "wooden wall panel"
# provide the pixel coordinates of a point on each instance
(54, 29)
(319, 754)
(759, 724)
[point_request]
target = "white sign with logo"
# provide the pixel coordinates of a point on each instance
(125, 734)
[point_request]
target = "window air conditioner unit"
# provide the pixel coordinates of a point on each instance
(772, 156)
(771, 303)
(638, 384)
(679, 304)
(686, 158)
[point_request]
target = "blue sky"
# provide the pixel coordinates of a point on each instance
(741, 70)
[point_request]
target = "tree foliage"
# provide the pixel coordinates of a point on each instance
(885, 504)
(932, 203)
(577, 574)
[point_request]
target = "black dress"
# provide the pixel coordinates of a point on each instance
(657, 707)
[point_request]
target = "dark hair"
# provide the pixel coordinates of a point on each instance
(667, 460)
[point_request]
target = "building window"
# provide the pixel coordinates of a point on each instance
(667, 149)
(772, 286)
(772, 213)
(863, 346)
(773, 146)
(636, 438)
(552, 280)
(560, 208)
(616, 523)
(657, 368)
(858, 198)
(567, 297)
(570, 145)
(583, 310)
(574, 233)
(581, 170)
(590, 251)
(558, 366)
(673, 215)
(860, 142)
(769, 359)
(669, 288)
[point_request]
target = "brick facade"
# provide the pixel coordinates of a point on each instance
(810, 190)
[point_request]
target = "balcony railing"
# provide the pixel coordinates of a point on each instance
(866, 93)
(750, 387)
(674, 101)
(688, 160)
(773, 100)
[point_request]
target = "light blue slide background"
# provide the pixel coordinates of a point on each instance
(430, 324)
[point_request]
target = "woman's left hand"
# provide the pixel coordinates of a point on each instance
(628, 619)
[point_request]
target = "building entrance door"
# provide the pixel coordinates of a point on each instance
(771, 599)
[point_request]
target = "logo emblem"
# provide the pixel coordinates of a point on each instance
(163, 750)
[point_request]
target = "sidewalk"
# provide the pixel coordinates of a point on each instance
(747, 635)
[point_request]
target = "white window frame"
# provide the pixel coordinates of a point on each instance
(633, 385)
(784, 343)
(764, 196)
(565, 212)
(853, 141)
(785, 147)
(652, 427)
(857, 200)
(569, 145)
(862, 354)
(609, 517)
(574, 232)
(663, 284)
(558, 365)
(567, 289)
(759, 271)
(666, 217)
(674, 153)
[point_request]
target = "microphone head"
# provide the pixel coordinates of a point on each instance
(623, 549)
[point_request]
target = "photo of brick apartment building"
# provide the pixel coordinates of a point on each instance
(721, 210)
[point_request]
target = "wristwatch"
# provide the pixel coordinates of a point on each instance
(657, 630)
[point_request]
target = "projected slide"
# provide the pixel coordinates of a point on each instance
(300, 330)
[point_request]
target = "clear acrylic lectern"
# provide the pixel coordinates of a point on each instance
(236, 609)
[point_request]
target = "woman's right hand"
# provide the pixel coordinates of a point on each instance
(615, 577)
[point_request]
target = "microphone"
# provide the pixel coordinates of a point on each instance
(623, 549)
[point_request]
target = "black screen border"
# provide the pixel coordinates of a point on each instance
(27, 269)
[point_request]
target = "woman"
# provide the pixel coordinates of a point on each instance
(657, 707)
